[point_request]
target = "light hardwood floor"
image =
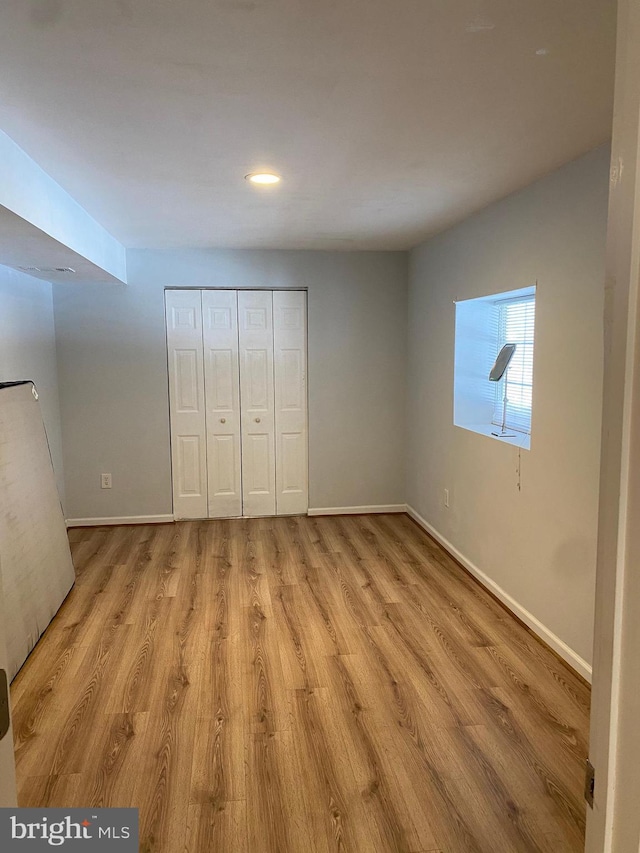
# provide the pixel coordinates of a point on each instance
(294, 685)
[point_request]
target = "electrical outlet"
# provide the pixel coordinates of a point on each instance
(446, 498)
(105, 481)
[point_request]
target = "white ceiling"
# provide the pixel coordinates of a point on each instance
(388, 119)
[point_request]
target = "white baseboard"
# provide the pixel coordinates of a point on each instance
(163, 519)
(572, 658)
(356, 510)
(124, 519)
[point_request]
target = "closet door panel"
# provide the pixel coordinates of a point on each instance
(189, 456)
(259, 459)
(290, 356)
(255, 319)
(186, 402)
(185, 365)
(222, 384)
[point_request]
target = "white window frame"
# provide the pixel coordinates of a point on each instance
(477, 342)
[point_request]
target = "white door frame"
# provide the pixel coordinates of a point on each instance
(8, 796)
(613, 826)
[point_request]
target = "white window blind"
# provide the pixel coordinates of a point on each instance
(515, 321)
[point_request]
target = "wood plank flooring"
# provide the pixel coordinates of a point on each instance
(295, 685)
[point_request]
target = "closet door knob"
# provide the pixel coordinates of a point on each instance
(223, 420)
(257, 420)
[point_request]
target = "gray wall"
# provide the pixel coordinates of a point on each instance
(113, 374)
(28, 349)
(538, 543)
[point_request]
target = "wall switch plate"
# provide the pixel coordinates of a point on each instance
(105, 481)
(446, 497)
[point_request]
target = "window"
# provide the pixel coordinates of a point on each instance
(515, 324)
(483, 326)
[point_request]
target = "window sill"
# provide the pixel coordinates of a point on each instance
(517, 439)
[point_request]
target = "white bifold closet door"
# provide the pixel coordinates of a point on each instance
(186, 403)
(222, 402)
(239, 439)
(255, 316)
(290, 357)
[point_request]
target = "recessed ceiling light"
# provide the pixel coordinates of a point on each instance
(263, 178)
